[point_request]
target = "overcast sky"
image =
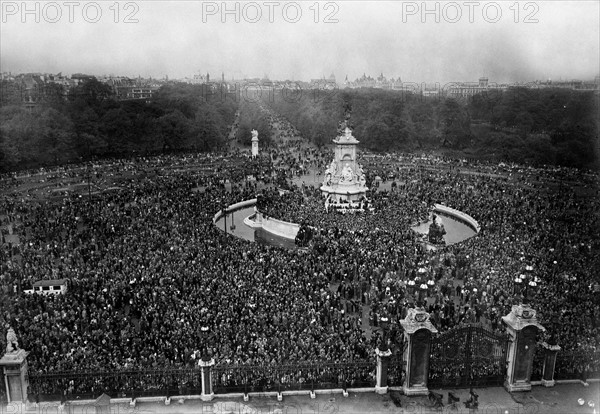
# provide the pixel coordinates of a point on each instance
(507, 41)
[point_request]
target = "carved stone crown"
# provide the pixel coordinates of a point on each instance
(524, 312)
(521, 316)
(417, 319)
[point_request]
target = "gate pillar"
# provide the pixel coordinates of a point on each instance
(549, 364)
(383, 358)
(13, 367)
(207, 388)
(417, 334)
(522, 327)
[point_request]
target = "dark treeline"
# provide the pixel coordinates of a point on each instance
(533, 126)
(252, 116)
(89, 122)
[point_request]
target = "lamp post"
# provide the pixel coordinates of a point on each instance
(422, 295)
(430, 284)
(555, 323)
(518, 286)
(531, 289)
(411, 287)
(89, 177)
(204, 349)
(206, 363)
(383, 321)
(530, 284)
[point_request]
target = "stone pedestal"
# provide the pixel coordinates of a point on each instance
(417, 334)
(549, 364)
(14, 369)
(383, 358)
(207, 390)
(522, 327)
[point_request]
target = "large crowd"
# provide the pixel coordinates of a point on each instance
(526, 220)
(147, 268)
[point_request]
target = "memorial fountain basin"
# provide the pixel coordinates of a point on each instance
(248, 226)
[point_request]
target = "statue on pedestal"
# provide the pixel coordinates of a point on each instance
(436, 232)
(332, 168)
(329, 173)
(12, 343)
(347, 133)
(347, 174)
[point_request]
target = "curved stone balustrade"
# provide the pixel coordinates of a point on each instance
(440, 208)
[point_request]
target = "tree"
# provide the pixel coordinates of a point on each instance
(455, 123)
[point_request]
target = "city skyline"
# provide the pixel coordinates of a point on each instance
(290, 40)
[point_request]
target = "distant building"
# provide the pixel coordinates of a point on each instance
(32, 88)
(324, 83)
(6, 76)
(135, 92)
(381, 82)
(467, 89)
(49, 287)
(574, 84)
(80, 77)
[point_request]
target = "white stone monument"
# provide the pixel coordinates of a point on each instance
(254, 143)
(344, 178)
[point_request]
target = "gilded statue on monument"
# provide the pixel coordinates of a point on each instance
(347, 174)
(12, 343)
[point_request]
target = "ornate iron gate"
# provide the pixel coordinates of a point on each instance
(468, 356)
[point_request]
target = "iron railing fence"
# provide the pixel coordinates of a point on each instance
(570, 364)
(396, 370)
(119, 383)
(301, 376)
(537, 367)
(577, 364)
(184, 381)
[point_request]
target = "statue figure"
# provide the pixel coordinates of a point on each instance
(254, 134)
(347, 174)
(360, 175)
(348, 133)
(436, 231)
(332, 167)
(360, 170)
(12, 343)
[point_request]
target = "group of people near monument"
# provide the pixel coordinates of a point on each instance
(147, 268)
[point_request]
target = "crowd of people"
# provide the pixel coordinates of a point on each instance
(525, 221)
(148, 269)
